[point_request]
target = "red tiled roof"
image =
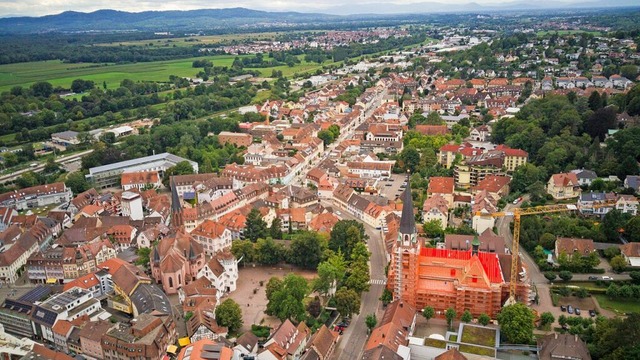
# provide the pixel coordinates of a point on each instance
(489, 261)
(441, 185)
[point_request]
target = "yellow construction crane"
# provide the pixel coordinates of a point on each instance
(515, 247)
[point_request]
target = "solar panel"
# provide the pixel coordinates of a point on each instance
(36, 294)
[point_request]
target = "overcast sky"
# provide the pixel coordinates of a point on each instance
(45, 7)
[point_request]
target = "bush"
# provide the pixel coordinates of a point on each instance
(260, 331)
(550, 275)
(565, 275)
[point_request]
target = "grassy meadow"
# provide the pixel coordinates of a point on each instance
(62, 74)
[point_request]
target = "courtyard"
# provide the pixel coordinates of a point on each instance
(251, 294)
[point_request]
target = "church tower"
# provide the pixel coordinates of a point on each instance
(406, 253)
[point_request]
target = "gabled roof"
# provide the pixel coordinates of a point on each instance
(441, 185)
(631, 249)
(451, 354)
(562, 346)
(564, 179)
(571, 245)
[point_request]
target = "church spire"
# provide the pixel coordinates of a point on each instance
(407, 221)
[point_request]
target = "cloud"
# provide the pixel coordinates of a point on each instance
(46, 7)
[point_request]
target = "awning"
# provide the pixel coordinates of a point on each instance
(184, 341)
(172, 349)
(52, 281)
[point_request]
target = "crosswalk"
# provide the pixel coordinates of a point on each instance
(377, 282)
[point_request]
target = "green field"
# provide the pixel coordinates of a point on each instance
(619, 306)
(62, 74)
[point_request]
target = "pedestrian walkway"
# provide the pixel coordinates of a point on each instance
(377, 282)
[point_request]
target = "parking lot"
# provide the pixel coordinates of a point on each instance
(392, 188)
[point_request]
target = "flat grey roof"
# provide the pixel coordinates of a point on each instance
(147, 159)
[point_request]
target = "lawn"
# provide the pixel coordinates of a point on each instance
(478, 335)
(62, 74)
(477, 350)
(618, 305)
(435, 343)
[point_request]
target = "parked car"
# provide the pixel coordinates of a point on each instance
(607, 278)
(338, 213)
(563, 308)
(592, 313)
(593, 278)
(577, 311)
(570, 309)
(517, 200)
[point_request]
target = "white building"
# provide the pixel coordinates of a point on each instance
(213, 237)
(131, 204)
(222, 271)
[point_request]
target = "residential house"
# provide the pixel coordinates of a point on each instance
(627, 204)
(206, 349)
(247, 344)
(590, 203)
(91, 338)
(631, 253)
(484, 204)
(213, 236)
(222, 271)
(496, 185)
(6, 216)
(36, 196)
(140, 180)
(563, 186)
(65, 138)
(562, 346)
(481, 133)
(286, 343)
(569, 246)
(147, 337)
(435, 208)
(395, 328)
(632, 182)
(585, 177)
(321, 345)
(488, 242)
(443, 186)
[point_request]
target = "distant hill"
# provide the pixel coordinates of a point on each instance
(242, 18)
(440, 7)
(113, 20)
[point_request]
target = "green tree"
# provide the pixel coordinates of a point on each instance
(358, 279)
(181, 168)
(635, 276)
(255, 227)
(275, 231)
(629, 71)
(434, 119)
(343, 240)
(613, 222)
(371, 321)
(143, 256)
(551, 276)
(565, 275)
(267, 252)
(484, 319)
(229, 315)
(618, 263)
(347, 302)
(632, 229)
(286, 300)
(77, 182)
(306, 249)
(516, 323)
(326, 136)
(466, 316)
(274, 284)
(409, 159)
(546, 318)
(428, 313)
(243, 249)
(450, 315)
(330, 273)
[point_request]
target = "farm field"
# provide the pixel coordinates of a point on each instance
(62, 74)
(197, 40)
